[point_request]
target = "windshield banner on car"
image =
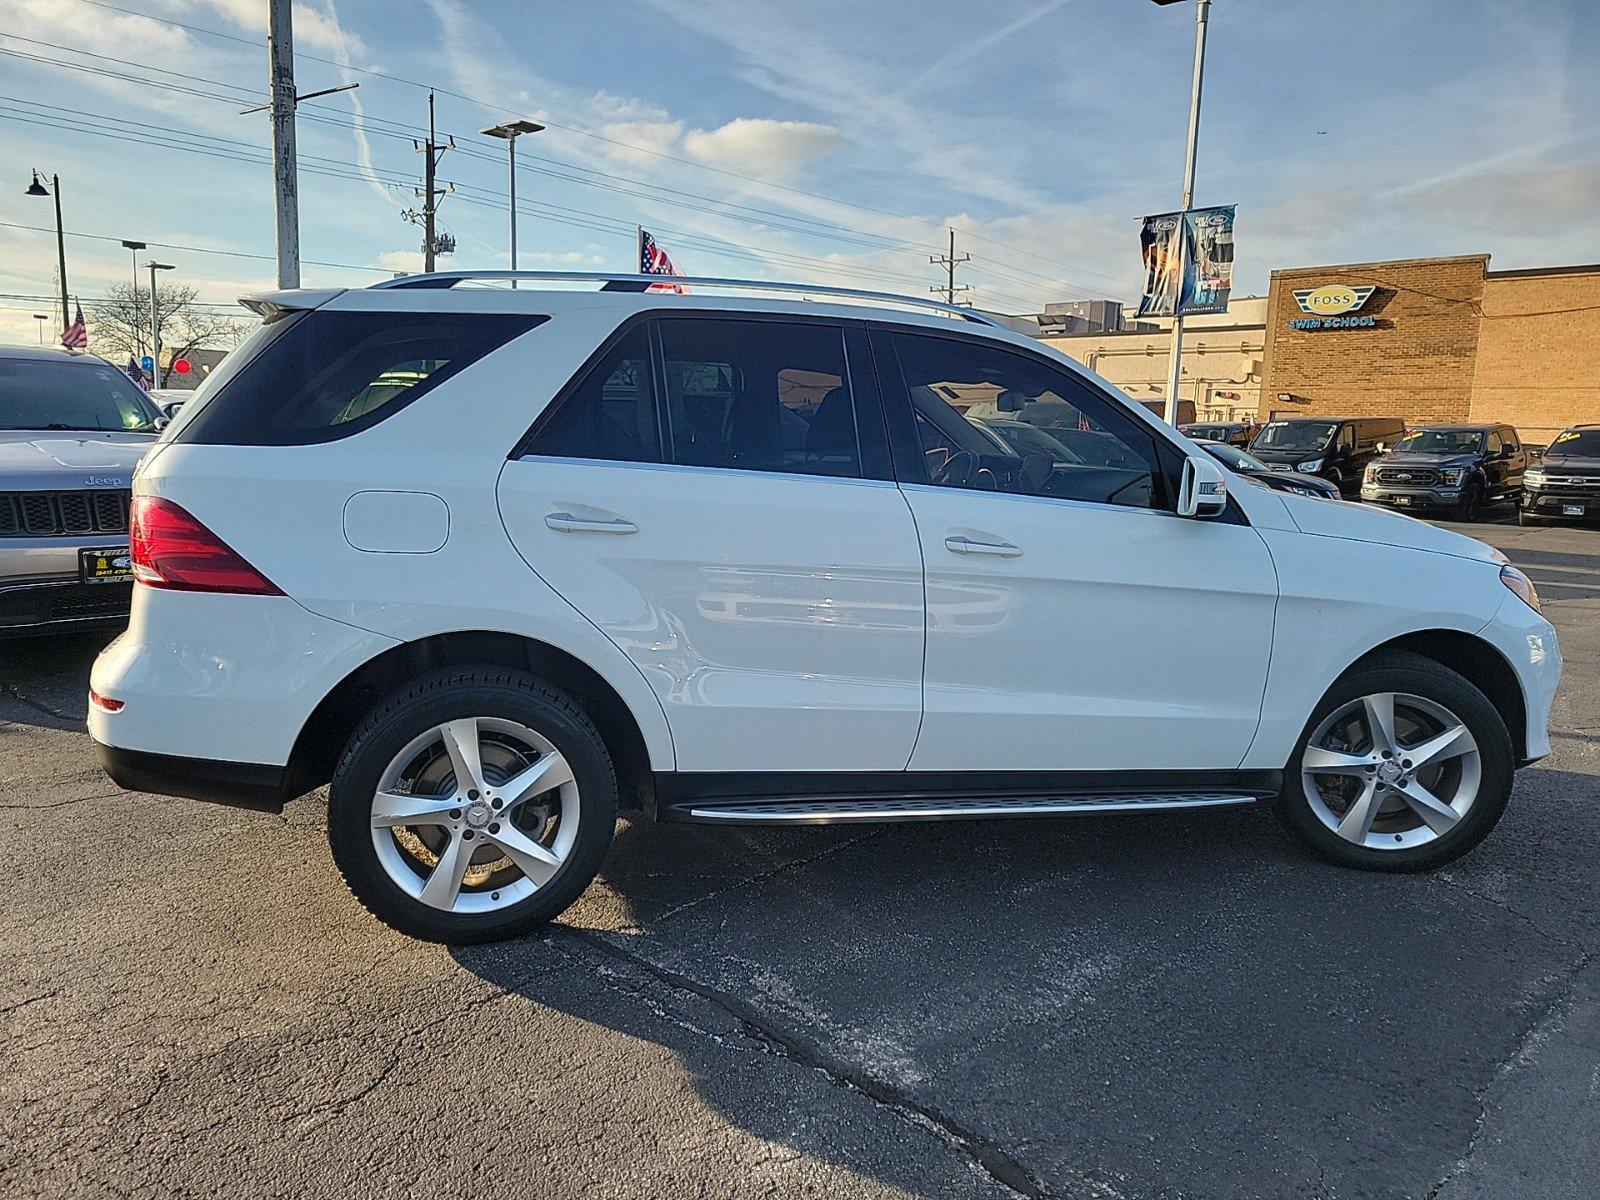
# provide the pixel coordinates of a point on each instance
(1205, 255)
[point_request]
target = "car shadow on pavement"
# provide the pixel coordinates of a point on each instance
(1140, 1003)
(45, 680)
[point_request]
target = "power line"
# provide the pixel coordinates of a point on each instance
(579, 130)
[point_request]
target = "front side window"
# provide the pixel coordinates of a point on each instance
(759, 396)
(332, 374)
(63, 394)
(611, 414)
(1048, 435)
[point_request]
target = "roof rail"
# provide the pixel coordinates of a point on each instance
(639, 283)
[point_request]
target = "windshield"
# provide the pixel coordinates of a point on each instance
(1235, 457)
(1207, 433)
(1294, 435)
(1441, 441)
(71, 395)
(1582, 442)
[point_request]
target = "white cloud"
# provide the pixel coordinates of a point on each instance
(754, 145)
(408, 261)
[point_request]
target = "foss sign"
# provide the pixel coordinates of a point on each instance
(1329, 305)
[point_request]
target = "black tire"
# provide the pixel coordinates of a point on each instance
(1400, 671)
(1524, 517)
(485, 691)
(1337, 480)
(1470, 506)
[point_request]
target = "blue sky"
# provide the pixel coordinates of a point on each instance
(833, 139)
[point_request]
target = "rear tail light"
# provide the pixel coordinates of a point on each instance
(171, 549)
(104, 703)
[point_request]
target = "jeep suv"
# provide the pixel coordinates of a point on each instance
(1458, 468)
(72, 428)
(497, 563)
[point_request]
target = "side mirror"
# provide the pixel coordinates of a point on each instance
(1204, 490)
(162, 423)
(1010, 401)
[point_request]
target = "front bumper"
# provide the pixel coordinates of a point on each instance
(61, 606)
(1560, 504)
(1404, 497)
(40, 590)
(258, 786)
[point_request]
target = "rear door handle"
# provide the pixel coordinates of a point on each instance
(565, 522)
(965, 545)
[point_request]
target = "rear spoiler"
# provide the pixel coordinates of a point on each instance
(270, 306)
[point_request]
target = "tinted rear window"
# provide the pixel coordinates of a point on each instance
(332, 374)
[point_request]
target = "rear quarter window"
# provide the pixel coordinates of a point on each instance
(332, 374)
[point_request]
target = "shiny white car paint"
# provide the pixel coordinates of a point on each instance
(759, 622)
(1068, 653)
(774, 611)
(228, 678)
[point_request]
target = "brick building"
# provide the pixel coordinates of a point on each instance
(1423, 339)
(1435, 339)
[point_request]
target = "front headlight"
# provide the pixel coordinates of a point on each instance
(1521, 585)
(1453, 476)
(1310, 468)
(1370, 473)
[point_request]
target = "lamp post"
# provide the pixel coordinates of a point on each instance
(37, 188)
(510, 131)
(43, 319)
(135, 247)
(1202, 11)
(155, 328)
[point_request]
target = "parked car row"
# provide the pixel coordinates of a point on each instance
(1459, 469)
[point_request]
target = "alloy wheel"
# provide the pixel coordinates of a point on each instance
(475, 815)
(1390, 771)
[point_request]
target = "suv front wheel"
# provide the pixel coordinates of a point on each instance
(472, 805)
(1403, 766)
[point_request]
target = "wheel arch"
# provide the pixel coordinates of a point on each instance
(1476, 660)
(323, 736)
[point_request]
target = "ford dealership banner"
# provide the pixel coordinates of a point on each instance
(1207, 262)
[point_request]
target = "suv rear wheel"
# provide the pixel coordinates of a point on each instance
(1403, 766)
(472, 805)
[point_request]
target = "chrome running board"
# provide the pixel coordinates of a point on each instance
(899, 808)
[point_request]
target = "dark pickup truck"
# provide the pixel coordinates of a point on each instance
(1459, 468)
(1565, 484)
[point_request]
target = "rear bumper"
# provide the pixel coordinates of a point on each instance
(257, 786)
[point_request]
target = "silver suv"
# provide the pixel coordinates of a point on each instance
(72, 428)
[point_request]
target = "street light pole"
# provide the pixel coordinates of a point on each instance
(510, 131)
(37, 188)
(135, 247)
(43, 319)
(1175, 368)
(155, 327)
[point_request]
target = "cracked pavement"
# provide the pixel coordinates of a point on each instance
(1155, 1006)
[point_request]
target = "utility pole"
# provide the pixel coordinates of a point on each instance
(1175, 368)
(949, 262)
(285, 173)
(431, 193)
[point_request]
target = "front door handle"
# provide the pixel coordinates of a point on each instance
(965, 545)
(565, 522)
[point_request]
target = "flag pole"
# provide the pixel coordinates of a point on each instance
(638, 249)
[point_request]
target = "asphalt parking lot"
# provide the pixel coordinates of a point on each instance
(1153, 1006)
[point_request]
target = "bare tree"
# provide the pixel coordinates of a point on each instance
(120, 324)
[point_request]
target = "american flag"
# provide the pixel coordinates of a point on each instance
(653, 260)
(76, 335)
(136, 373)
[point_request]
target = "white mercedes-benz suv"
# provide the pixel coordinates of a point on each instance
(497, 564)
